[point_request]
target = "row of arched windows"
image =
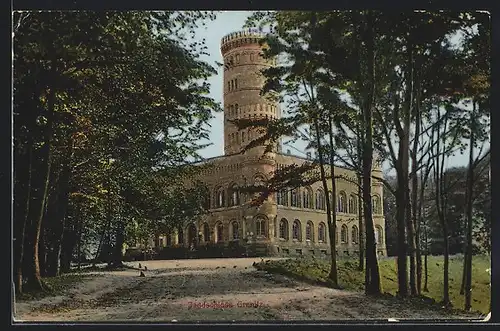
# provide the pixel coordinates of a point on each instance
(304, 199)
(283, 232)
(236, 59)
(235, 110)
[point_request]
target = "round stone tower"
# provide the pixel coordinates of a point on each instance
(243, 82)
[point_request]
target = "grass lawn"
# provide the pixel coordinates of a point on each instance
(316, 271)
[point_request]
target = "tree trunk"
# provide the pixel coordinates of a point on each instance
(361, 225)
(23, 201)
(441, 210)
(119, 240)
(372, 275)
(414, 225)
(59, 219)
(332, 276)
(470, 182)
(67, 246)
(39, 197)
(333, 199)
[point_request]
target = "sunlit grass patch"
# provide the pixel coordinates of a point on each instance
(351, 278)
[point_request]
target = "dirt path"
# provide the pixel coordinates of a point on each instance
(211, 289)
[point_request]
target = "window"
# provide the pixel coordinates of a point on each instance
(180, 237)
(220, 198)
(343, 234)
(229, 86)
(322, 232)
(295, 198)
(206, 232)
(379, 235)
(219, 232)
(320, 200)
(236, 84)
(355, 234)
(236, 109)
(307, 198)
(353, 206)
(342, 202)
(236, 232)
(296, 230)
(252, 57)
(260, 227)
(283, 230)
(309, 231)
(235, 196)
(282, 198)
(376, 206)
(232, 85)
(243, 137)
(237, 58)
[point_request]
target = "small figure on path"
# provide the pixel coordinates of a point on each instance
(140, 266)
(145, 268)
(142, 274)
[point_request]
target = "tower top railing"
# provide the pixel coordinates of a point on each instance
(240, 38)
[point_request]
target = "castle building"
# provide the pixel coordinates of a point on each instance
(291, 222)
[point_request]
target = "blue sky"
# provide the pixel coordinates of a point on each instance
(227, 22)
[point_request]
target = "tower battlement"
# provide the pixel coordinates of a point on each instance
(239, 39)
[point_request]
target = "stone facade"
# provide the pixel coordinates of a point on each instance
(289, 222)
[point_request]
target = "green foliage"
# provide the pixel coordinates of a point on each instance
(131, 99)
(350, 278)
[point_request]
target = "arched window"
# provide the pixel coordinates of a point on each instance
(260, 227)
(282, 198)
(296, 230)
(295, 198)
(180, 236)
(231, 110)
(353, 206)
(206, 232)
(376, 205)
(283, 231)
(309, 231)
(228, 85)
(236, 109)
(321, 232)
(219, 231)
(232, 85)
(243, 137)
(252, 57)
(342, 202)
(355, 234)
(206, 201)
(237, 58)
(379, 235)
(343, 234)
(234, 195)
(235, 83)
(237, 138)
(320, 200)
(235, 230)
(307, 198)
(220, 198)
